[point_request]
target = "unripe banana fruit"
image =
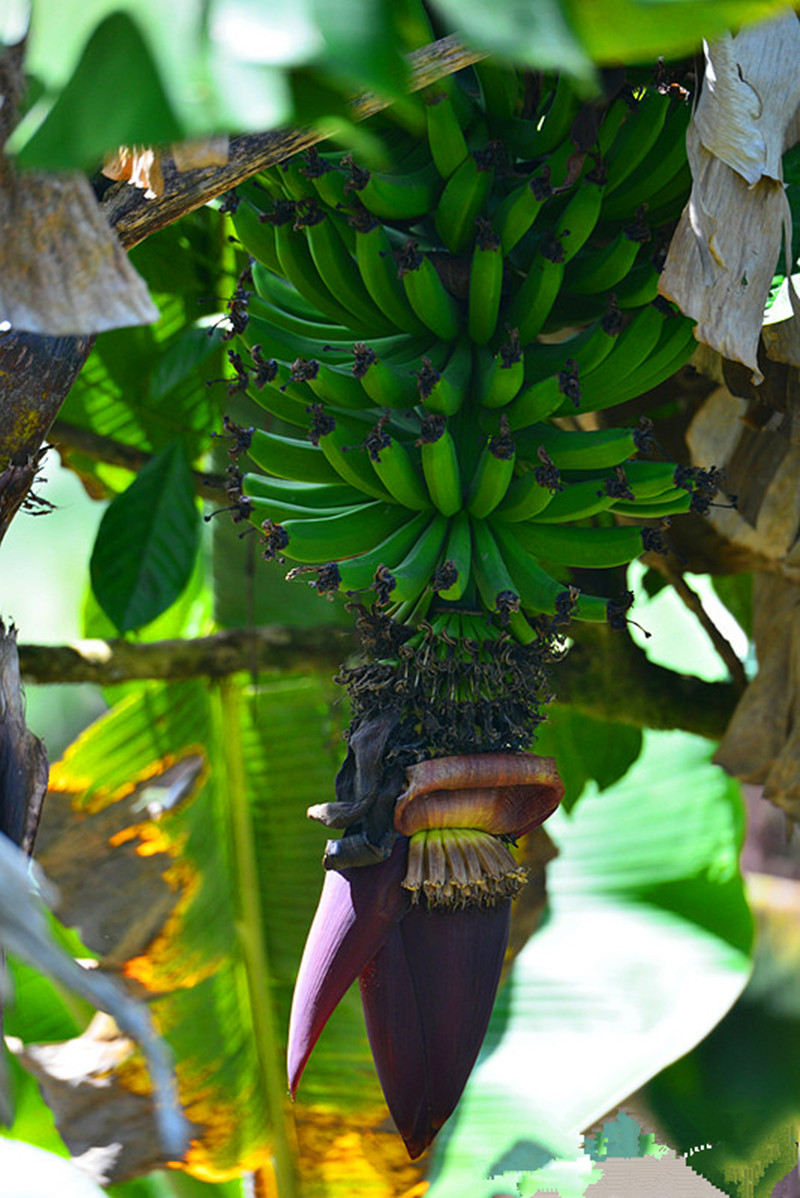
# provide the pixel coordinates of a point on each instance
(416, 330)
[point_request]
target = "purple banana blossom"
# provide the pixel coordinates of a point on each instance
(428, 981)
(425, 930)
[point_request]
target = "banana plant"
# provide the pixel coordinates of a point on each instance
(410, 336)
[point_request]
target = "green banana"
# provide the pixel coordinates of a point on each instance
(319, 495)
(633, 347)
(644, 479)
(501, 375)
(577, 222)
(602, 270)
(398, 347)
(343, 446)
(485, 284)
(385, 385)
(668, 204)
(275, 303)
(294, 180)
(440, 465)
(539, 592)
(533, 138)
(500, 88)
(638, 134)
(534, 299)
(340, 272)
(577, 501)
(276, 511)
(396, 470)
(493, 474)
(541, 399)
(415, 572)
(297, 265)
(330, 537)
(257, 236)
(396, 197)
(496, 586)
(527, 496)
(445, 390)
(674, 349)
(658, 168)
(413, 612)
(328, 179)
(669, 503)
(586, 349)
(613, 117)
(517, 212)
(273, 399)
(288, 457)
(457, 558)
(358, 573)
(581, 449)
(332, 384)
(426, 293)
(591, 548)
(640, 285)
(464, 196)
(445, 136)
(286, 346)
(376, 263)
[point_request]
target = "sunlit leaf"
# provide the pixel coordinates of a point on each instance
(190, 70)
(182, 354)
(645, 949)
(147, 542)
(586, 749)
(138, 386)
(82, 125)
(640, 30)
(535, 33)
(177, 882)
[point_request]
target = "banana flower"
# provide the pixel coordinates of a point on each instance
(425, 931)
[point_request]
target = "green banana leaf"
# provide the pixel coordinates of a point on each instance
(145, 386)
(193, 70)
(586, 749)
(645, 947)
(205, 899)
(146, 548)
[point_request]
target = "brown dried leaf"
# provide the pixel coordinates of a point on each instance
(763, 467)
(757, 732)
(138, 165)
(110, 868)
(62, 269)
(721, 260)
(23, 758)
(25, 932)
(94, 1087)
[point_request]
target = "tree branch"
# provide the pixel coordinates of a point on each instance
(605, 674)
(692, 601)
(135, 218)
(68, 437)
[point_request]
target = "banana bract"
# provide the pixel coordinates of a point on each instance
(419, 338)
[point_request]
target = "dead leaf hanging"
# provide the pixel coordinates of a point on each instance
(722, 258)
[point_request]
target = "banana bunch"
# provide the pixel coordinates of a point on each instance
(414, 331)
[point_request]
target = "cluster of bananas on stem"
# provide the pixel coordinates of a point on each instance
(417, 330)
